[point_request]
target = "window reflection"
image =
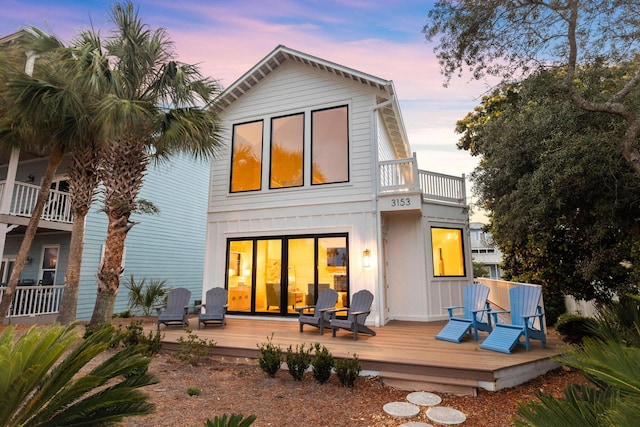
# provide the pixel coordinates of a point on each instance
(287, 144)
(448, 256)
(330, 146)
(246, 161)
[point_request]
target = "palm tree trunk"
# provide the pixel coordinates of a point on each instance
(109, 270)
(83, 181)
(55, 158)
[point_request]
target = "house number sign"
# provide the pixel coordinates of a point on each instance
(400, 203)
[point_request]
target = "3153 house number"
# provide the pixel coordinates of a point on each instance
(400, 202)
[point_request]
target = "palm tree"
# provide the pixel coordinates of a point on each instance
(37, 116)
(41, 383)
(156, 107)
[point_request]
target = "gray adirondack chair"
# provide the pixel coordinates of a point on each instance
(215, 308)
(527, 319)
(319, 314)
(475, 315)
(357, 314)
(175, 311)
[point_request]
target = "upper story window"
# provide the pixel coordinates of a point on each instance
(287, 148)
(246, 157)
(329, 146)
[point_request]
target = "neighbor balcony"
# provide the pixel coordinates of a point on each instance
(23, 199)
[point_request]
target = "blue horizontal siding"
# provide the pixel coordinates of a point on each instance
(168, 246)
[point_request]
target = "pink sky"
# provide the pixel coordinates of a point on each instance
(226, 38)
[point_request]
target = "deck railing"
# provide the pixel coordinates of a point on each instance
(34, 300)
(57, 208)
(404, 175)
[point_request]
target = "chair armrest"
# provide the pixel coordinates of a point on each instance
(186, 309)
(357, 313)
(495, 315)
(306, 307)
(333, 311)
(159, 308)
(454, 307)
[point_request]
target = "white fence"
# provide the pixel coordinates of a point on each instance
(29, 301)
(499, 291)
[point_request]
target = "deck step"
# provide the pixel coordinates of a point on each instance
(431, 383)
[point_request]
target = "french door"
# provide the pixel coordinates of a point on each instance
(274, 276)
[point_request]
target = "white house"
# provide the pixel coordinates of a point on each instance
(485, 251)
(318, 188)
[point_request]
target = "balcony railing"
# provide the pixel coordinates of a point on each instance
(24, 197)
(404, 175)
(34, 300)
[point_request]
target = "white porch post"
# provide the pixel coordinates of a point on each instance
(7, 195)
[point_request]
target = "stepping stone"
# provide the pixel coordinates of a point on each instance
(416, 424)
(443, 415)
(401, 409)
(423, 398)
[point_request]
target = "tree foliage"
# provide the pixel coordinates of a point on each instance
(563, 206)
(512, 39)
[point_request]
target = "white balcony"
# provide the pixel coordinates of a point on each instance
(403, 176)
(23, 201)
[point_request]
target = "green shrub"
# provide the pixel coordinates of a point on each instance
(573, 327)
(144, 296)
(193, 391)
(322, 364)
(298, 361)
(270, 358)
(235, 420)
(194, 349)
(347, 370)
(134, 335)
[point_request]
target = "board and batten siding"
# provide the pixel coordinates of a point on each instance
(168, 246)
(295, 88)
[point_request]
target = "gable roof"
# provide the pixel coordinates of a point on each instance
(389, 109)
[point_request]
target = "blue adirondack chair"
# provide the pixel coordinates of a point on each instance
(475, 316)
(215, 308)
(527, 319)
(176, 309)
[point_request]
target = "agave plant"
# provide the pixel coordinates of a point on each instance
(611, 362)
(234, 420)
(40, 383)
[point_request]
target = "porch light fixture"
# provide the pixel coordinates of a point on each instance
(30, 178)
(366, 258)
(29, 260)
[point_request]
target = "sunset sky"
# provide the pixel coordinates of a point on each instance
(227, 37)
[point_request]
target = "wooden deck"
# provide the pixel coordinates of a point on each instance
(402, 354)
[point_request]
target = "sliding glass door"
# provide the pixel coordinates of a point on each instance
(277, 275)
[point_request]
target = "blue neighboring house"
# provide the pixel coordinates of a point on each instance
(168, 246)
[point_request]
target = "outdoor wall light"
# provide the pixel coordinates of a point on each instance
(30, 178)
(29, 260)
(366, 258)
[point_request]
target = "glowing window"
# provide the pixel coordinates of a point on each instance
(448, 256)
(287, 145)
(246, 160)
(330, 145)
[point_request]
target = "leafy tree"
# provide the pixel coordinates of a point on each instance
(562, 205)
(155, 105)
(41, 383)
(512, 39)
